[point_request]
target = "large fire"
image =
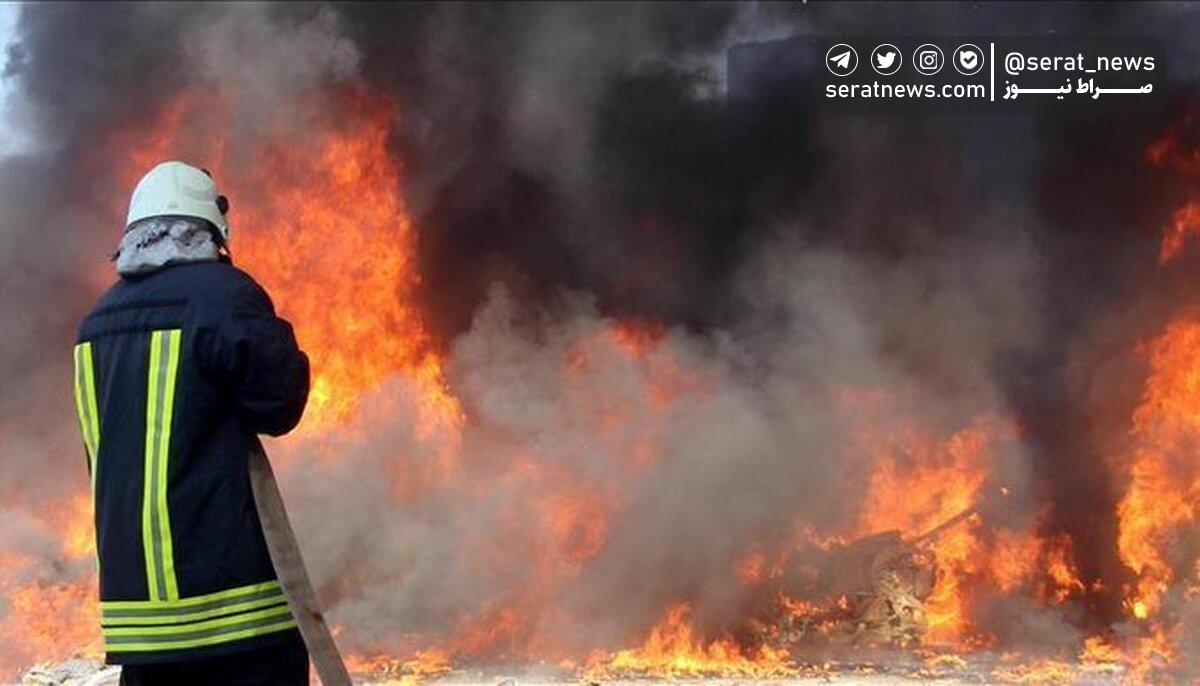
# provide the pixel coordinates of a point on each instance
(329, 234)
(1161, 500)
(322, 224)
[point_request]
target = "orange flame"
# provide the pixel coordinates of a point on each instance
(1185, 224)
(1060, 567)
(48, 608)
(673, 651)
(1170, 151)
(329, 237)
(1163, 473)
(919, 483)
(322, 225)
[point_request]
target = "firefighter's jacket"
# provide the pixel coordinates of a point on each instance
(174, 372)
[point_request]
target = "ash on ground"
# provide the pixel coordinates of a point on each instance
(73, 672)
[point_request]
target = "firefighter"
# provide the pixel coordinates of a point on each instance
(177, 367)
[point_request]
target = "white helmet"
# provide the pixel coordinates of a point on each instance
(177, 189)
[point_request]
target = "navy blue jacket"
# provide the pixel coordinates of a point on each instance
(175, 372)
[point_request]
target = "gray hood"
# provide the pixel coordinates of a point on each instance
(154, 243)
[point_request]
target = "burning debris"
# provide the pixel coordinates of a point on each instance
(870, 590)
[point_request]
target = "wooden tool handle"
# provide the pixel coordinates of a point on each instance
(289, 567)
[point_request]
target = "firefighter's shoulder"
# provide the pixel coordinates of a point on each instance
(224, 282)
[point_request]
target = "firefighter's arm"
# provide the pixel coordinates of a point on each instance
(261, 365)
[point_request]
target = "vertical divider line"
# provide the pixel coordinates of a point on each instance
(992, 71)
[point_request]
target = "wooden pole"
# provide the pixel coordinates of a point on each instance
(293, 576)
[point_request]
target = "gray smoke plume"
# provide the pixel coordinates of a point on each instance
(570, 169)
(747, 444)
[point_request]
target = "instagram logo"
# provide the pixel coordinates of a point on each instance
(928, 59)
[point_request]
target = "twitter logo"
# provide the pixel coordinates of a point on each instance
(886, 59)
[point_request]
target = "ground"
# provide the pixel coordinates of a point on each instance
(85, 672)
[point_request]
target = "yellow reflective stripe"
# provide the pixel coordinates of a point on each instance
(151, 447)
(81, 407)
(89, 416)
(156, 520)
(195, 615)
(192, 601)
(81, 404)
(85, 403)
(260, 609)
(164, 456)
(223, 637)
(89, 392)
(207, 626)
